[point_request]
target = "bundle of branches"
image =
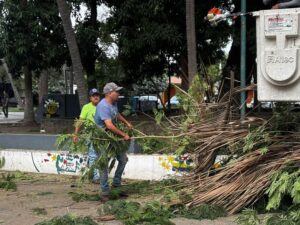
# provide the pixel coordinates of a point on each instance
(105, 143)
(255, 152)
(243, 182)
(205, 129)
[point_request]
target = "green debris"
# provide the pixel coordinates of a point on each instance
(19, 175)
(204, 211)
(131, 213)
(288, 217)
(44, 193)
(284, 183)
(78, 197)
(69, 219)
(39, 211)
(7, 182)
(248, 217)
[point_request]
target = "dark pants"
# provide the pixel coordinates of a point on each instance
(5, 110)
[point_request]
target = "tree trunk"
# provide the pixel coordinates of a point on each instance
(183, 72)
(43, 84)
(90, 59)
(12, 82)
(28, 110)
(191, 39)
(74, 51)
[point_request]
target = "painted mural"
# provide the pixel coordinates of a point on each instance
(66, 163)
(176, 163)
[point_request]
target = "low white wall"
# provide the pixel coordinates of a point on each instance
(144, 167)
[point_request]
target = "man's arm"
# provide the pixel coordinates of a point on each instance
(109, 125)
(77, 129)
(82, 117)
(123, 120)
(289, 4)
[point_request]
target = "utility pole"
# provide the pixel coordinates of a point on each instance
(243, 57)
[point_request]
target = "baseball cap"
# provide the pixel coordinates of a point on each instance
(109, 87)
(94, 91)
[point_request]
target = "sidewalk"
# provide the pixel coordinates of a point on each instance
(13, 117)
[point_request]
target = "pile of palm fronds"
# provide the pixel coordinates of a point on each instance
(244, 181)
(255, 152)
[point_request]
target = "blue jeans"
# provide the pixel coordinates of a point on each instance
(122, 161)
(92, 157)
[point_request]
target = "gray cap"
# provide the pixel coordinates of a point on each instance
(109, 87)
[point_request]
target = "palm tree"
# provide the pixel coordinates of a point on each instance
(191, 39)
(74, 51)
(12, 82)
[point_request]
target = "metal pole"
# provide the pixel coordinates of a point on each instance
(243, 57)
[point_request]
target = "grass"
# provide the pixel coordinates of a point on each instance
(39, 211)
(154, 212)
(19, 175)
(132, 213)
(7, 182)
(79, 196)
(69, 219)
(43, 193)
(14, 109)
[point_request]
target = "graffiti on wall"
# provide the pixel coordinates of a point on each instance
(66, 163)
(176, 163)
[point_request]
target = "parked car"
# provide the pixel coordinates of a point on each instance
(148, 102)
(174, 102)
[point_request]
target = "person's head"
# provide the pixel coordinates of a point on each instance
(112, 91)
(94, 96)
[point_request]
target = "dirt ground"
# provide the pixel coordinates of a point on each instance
(50, 192)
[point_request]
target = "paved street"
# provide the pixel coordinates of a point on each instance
(13, 117)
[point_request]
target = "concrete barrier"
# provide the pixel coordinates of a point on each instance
(143, 167)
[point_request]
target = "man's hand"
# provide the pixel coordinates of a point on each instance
(275, 6)
(126, 137)
(75, 138)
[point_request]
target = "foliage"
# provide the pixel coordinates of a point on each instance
(256, 139)
(41, 48)
(284, 182)
(150, 35)
(39, 211)
(69, 219)
(131, 213)
(204, 211)
(19, 175)
(7, 182)
(104, 142)
(248, 217)
(152, 85)
(285, 118)
(151, 146)
(78, 197)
